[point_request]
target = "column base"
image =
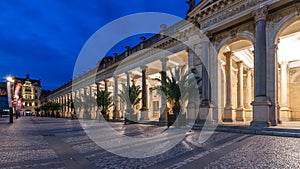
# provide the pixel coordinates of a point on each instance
(191, 114)
(285, 114)
(206, 114)
(163, 114)
(260, 124)
(144, 114)
(261, 111)
(240, 114)
(248, 114)
(116, 115)
(229, 114)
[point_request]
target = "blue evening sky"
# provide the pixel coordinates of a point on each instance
(44, 37)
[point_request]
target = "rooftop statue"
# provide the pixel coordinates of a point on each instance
(191, 4)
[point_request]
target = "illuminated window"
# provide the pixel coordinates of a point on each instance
(28, 89)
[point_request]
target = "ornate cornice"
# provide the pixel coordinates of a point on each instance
(233, 32)
(221, 12)
(275, 17)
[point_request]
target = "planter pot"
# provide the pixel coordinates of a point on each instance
(171, 119)
(105, 117)
(130, 117)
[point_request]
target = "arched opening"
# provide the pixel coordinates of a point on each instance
(288, 41)
(237, 89)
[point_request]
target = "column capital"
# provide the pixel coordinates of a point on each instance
(144, 67)
(116, 77)
(240, 63)
(248, 69)
(228, 54)
(260, 14)
(165, 59)
(284, 62)
(128, 73)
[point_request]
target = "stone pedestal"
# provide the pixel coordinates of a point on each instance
(144, 114)
(191, 112)
(240, 114)
(261, 107)
(163, 114)
(248, 114)
(229, 114)
(206, 114)
(285, 114)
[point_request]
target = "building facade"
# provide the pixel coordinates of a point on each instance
(248, 63)
(30, 91)
(4, 108)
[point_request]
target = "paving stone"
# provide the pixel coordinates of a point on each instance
(263, 152)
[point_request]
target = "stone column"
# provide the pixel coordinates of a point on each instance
(191, 107)
(163, 108)
(261, 105)
(93, 100)
(105, 85)
(67, 106)
(229, 112)
(79, 109)
(84, 111)
(128, 116)
(205, 79)
(284, 110)
(116, 113)
(240, 114)
(248, 95)
(272, 81)
(98, 87)
(206, 111)
(73, 95)
(96, 107)
(144, 109)
(70, 100)
(128, 74)
(62, 105)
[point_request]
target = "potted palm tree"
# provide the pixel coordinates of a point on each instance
(73, 112)
(84, 104)
(175, 88)
(104, 102)
(130, 96)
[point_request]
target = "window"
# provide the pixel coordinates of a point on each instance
(28, 89)
(155, 106)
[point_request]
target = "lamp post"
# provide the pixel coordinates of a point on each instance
(9, 96)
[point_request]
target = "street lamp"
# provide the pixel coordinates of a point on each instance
(10, 80)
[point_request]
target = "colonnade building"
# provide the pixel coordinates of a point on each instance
(245, 52)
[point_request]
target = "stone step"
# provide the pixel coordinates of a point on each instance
(251, 130)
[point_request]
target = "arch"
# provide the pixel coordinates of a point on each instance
(241, 44)
(241, 35)
(282, 25)
(286, 111)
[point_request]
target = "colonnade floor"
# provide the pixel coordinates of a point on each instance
(284, 125)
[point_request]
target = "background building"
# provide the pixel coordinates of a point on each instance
(4, 109)
(30, 93)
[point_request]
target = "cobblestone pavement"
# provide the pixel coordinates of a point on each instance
(32, 142)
